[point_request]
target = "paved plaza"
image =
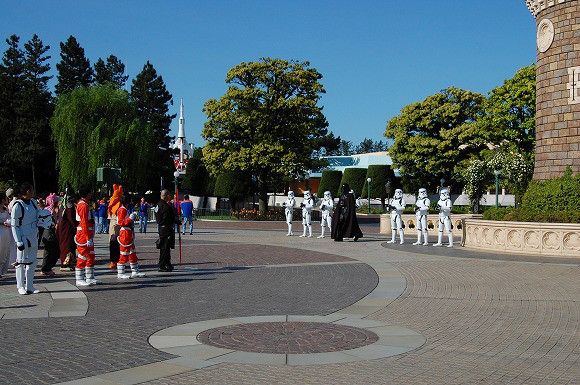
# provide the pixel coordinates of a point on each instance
(249, 305)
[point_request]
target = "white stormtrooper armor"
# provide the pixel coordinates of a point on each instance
(307, 206)
(289, 211)
(24, 223)
(421, 210)
(45, 219)
(326, 206)
(397, 205)
(444, 206)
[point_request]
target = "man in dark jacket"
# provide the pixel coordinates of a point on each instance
(344, 222)
(166, 216)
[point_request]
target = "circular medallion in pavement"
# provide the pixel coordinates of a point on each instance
(288, 337)
(286, 340)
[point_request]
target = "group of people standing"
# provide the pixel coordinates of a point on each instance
(341, 221)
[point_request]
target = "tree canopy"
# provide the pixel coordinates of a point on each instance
(113, 71)
(74, 69)
(268, 122)
(98, 126)
(434, 138)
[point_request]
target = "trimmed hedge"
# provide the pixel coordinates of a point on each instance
(523, 215)
(559, 194)
(356, 179)
(330, 181)
(380, 174)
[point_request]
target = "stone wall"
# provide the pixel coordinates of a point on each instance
(558, 86)
(559, 239)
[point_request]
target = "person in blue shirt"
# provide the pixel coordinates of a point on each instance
(187, 213)
(143, 215)
(102, 216)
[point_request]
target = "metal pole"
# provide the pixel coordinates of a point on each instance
(496, 190)
(369, 191)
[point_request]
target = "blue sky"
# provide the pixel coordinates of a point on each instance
(375, 56)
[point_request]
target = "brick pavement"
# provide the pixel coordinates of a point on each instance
(486, 322)
(122, 315)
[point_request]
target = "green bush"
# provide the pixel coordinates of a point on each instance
(330, 181)
(523, 215)
(380, 174)
(356, 179)
(559, 194)
(233, 185)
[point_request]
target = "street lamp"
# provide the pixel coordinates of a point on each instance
(175, 176)
(369, 191)
(496, 173)
(307, 178)
(442, 183)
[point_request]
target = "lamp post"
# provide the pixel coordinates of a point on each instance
(369, 191)
(442, 183)
(496, 173)
(254, 179)
(307, 178)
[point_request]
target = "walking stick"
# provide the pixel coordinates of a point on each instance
(178, 215)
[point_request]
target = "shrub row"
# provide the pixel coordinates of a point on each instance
(524, 215)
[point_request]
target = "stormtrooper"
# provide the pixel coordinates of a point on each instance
(307, 206)
(397, 205)
(26, 217)
(326, 207)
(357, 202)
(289, 211)
(421, 210)
(444, 206)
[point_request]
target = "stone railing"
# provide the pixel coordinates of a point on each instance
(432, 223)
(558, 239)
(536, 6)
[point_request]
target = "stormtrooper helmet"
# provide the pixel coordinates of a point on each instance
(398, 194)
(444, 194)
(327, 195)
(422, 193)
(307, 194)
(291, 194)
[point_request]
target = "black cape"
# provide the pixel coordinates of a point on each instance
(344, 222)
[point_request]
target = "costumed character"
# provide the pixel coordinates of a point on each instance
(326, 207)
(126, 241)
(421, 210)
(344, 221)
(289, 211)
(85, 268)
(51, 250)
(66, 230)
(24, 222)
(307, 206)
(397, 205)
(6, 241)
(357, 202)
(444, 206)
(114, 204)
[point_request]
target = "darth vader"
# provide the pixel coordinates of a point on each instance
(344, 222)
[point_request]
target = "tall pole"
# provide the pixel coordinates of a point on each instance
(369, 193)
(178, 207)
(496, 189)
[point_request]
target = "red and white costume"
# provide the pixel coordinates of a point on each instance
(126, 241)
(85, 270)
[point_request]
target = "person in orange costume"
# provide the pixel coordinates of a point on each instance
(85, 268)
(114, 204)
(126, 241)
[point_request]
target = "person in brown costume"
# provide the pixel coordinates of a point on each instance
(66, 229)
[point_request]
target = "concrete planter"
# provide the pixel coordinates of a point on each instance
(432, 223)
(558, 239)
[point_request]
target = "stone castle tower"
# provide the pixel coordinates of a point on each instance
(558, 86)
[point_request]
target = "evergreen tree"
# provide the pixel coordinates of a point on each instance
(113, 71)
(74, 69)
(151, 99)
(11, 84)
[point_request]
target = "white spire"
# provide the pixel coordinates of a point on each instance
(181, 133)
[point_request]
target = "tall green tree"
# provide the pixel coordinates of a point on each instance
(510, 113)
(152, 100)
(98, 126)
(74, 69)
(233, 185)
(113, 71)
(11, 85)
(267, 123)
(355, 177)
(436, 138)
